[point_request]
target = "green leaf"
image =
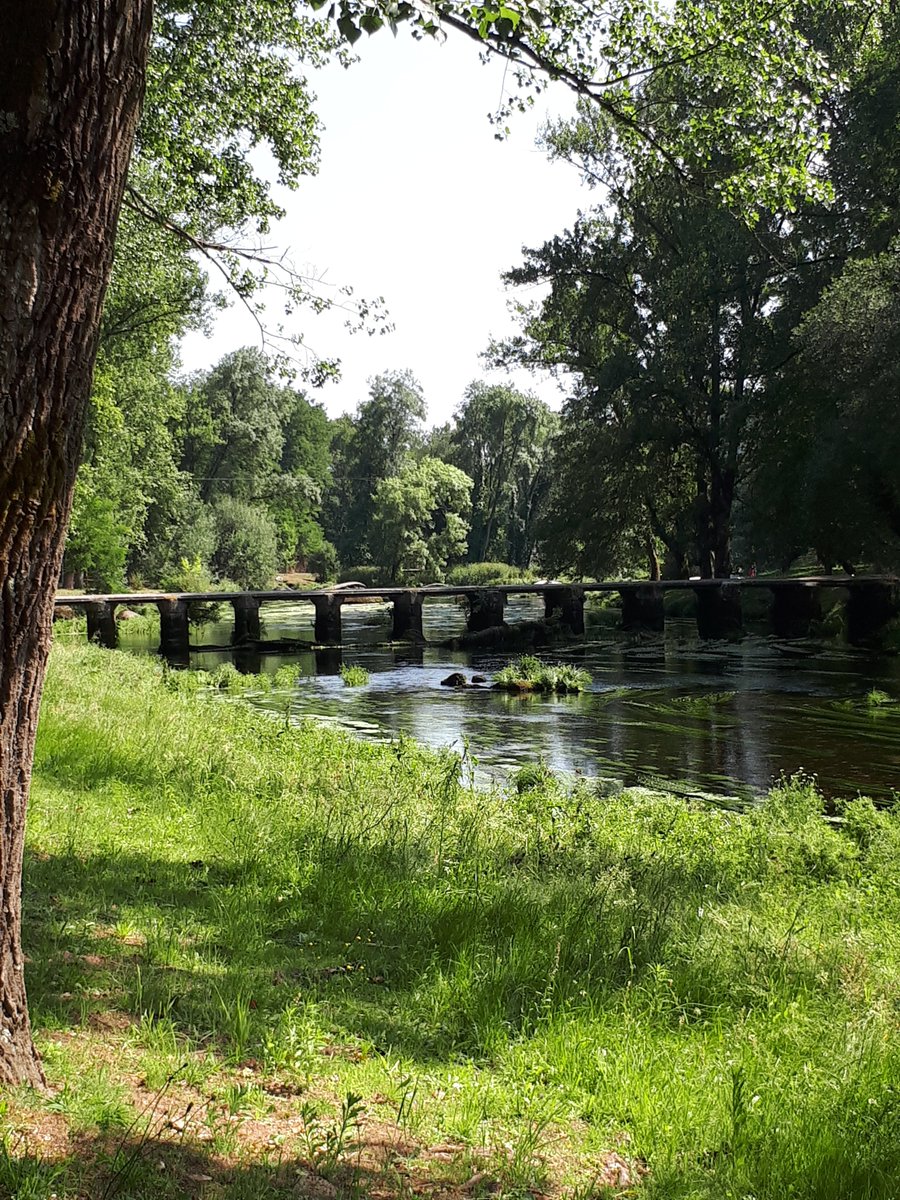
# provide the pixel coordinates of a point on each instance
(349, 29)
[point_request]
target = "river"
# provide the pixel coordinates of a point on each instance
(715, 718)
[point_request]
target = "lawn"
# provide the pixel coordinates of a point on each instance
(272, 961)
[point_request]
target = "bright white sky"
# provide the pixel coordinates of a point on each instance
(416, 201)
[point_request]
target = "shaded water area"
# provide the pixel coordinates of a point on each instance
(712, 717)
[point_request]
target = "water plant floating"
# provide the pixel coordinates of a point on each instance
(529, 674)
(354, 676)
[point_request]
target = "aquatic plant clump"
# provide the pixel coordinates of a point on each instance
(529, 674)
(354, 676)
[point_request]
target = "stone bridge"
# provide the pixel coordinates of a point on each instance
(871, 602)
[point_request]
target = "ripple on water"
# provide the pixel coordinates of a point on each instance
(722, 719)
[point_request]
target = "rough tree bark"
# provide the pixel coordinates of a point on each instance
(71, 85)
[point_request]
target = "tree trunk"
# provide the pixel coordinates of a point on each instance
(652, 558)
(721, 503)
(71, 83)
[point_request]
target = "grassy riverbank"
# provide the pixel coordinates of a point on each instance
(274, 962)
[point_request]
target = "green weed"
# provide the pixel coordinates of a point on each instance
(354, 676)
(529, 674)
(328, 1142)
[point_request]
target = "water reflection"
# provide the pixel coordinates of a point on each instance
(770, 712)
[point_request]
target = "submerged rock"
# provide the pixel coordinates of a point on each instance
(521, 636)
(479, 678)
(457, 680)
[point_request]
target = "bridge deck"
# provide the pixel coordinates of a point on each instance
(388, 593)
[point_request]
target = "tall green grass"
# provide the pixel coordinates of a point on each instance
(715, 995)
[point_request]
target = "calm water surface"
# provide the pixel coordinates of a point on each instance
(724, 718)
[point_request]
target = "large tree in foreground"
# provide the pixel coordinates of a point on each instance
(220, 79)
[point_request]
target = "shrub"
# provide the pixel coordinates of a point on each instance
(324, 562)
(187, 575)
(246, 544)
(488, 574)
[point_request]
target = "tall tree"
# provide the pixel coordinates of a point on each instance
(73, 74)
(128, 463)
(368, 448)
(828, 477)
(670, 314)
(420, 519)
(500, 439)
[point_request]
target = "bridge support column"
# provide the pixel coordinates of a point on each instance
(101, 624)
(328, 620)
(870, 606)
(794, 607)
(329, 660)
(174, 638)
(407, 618)
(247, 658)
(642, 608)
(719, 610)
(246, 620)
(485, 609)
(569, 603)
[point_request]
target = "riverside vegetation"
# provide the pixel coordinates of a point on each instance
(270, 961)
(529, 674)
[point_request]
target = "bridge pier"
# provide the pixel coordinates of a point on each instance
(101, 623)
(407, 618)
(247, 658)
(568, 602)
(246, 620)
(719, 612)
(328, 619)
(410, 654)
(870, 606)
(643, 608)
(329, 660)
(485, 609)
(174, 635)
(794, 607)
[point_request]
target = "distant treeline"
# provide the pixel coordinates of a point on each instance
(233, 475)
(731, 391)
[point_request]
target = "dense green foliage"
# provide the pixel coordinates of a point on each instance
(228, 468)
(409, 503)
(500, 438)
(289, 912)
(488, 574)
(420, 519)
(840, 488)
(367, 449)
(671, 433)
(691, 335)
(726, 381)
(238, 472)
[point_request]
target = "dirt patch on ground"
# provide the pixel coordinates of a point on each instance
(243, 1132)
